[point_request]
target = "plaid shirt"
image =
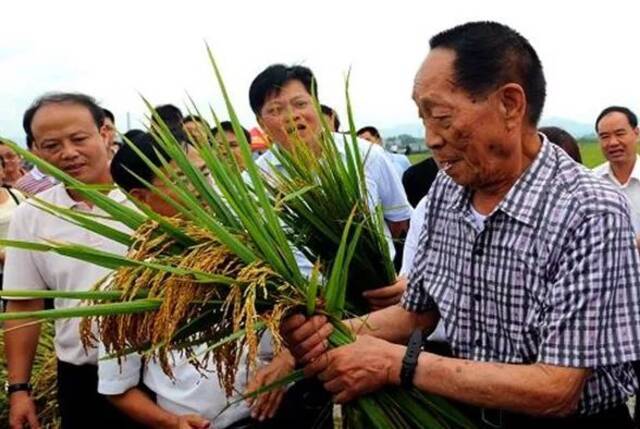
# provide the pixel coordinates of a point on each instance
(553, 277)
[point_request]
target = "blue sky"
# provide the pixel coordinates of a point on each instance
(117, 50)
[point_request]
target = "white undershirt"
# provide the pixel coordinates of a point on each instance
(478, 218)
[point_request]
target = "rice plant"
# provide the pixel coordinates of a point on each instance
(43, 381)
(223, 270)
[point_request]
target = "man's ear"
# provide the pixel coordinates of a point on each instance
(513, 104)
(104, 133)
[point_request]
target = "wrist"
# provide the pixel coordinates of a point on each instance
(395, 354)
(22, 394)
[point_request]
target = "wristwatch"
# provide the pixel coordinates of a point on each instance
(16, 387)
(410, 360)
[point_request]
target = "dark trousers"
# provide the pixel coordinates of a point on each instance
(80, 404)
(618, 418)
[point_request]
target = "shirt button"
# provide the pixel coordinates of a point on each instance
(478, 251)
(478, 342)
(476, 296)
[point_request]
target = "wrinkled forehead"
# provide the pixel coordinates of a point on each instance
(435, 75)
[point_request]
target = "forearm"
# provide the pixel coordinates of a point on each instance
(394, 323)
(21, 340)
(137, 405)
(535, 389)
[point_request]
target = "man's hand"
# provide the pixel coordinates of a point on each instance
(191, 421)
(386, 296)
(22, 411)
(306, 338)
(265, 405)
(362, 367)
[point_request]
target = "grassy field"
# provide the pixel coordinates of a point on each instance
(589, 149)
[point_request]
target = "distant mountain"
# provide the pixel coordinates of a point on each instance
(577, 129)
(413, 129)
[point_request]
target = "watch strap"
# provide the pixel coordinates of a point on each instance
(17, 387)
(410, 360)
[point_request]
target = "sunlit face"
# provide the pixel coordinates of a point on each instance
(618, 140)
(66, 135)
(196, 130)
(233, 145)
(155, 201)
(468, 137)
(288, 113)
(369, 137)
(12, 162)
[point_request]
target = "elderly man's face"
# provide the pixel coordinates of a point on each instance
(289, 113)
(618, 139)
(468, 137)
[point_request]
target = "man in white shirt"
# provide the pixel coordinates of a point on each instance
(617, 129)
(280, 96)
(189, 399)
(371, 134)
(66, 129)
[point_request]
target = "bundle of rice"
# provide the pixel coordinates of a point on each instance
(221, 272)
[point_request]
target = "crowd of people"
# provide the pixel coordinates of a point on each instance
(518, 294)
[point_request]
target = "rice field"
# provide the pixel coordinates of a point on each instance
(589, 149)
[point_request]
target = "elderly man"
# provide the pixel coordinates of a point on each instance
(527, 257)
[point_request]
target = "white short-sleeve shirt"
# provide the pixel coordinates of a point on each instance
(188, 392)
(411, 244)
(28, 270)
(631, 189)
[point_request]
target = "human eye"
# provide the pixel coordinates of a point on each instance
(301, 104)
(79, 138)
(274, 110)
(49, 145)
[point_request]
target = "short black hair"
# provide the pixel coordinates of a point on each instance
(564, 140)
(97, 112)
(326, 110)
(195, 118)
(169, 113)
(369, 129)
(631, 117)
(271, 80)
(228, 126)
(133, 134)
(126, 160)
(488, 55)
(109, 115)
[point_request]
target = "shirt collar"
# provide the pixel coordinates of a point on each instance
(522, 198)
(37, 174)
(62, 198)
(605, 170)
